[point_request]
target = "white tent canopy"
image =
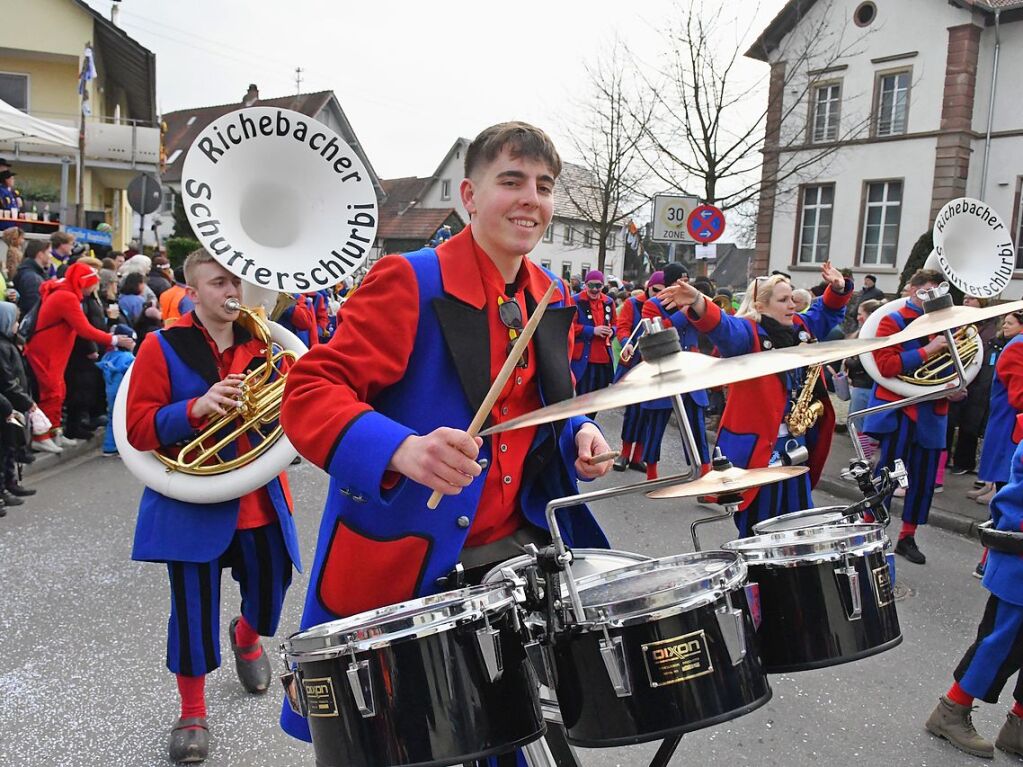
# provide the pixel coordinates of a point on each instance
(22, 128)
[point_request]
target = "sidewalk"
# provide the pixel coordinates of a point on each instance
(950, 510)
(47, 463)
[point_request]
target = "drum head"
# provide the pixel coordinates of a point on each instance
(675, 584)
(810, 544)
(585, 562)
(823, 515)
(405, 620)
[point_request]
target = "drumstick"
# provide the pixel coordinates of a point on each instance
(502, 377)
(610, 455)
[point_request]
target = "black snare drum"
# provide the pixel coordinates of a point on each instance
(825, 593)
(664, 647)
(797, 520)
(435, 681)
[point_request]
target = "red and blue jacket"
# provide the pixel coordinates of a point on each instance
(931, 417)
(173, 368)
(1005, 404)
(755, 408)
(688, 338)
(587, 345)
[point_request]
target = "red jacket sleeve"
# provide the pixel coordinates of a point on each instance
(894, 360)
(1010, 371)
(153, 420)
(331, 386)
(63, 305)
(623, 327)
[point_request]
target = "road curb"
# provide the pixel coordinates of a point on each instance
(46, 464)
(946, 520)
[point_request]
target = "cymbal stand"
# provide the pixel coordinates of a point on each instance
(730, 501)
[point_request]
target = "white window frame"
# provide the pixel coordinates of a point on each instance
(548, 235)
(445, 189)
(820, 246)
(566, 270)
(827, 112)
(612, 241)
(28, 87)
(894, 127)
(545, 263)
(588, 238)
(886, 206)
(569, 235)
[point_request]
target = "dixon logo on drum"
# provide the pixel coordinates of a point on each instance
(883, 581)
(677, 659)
(319, 695)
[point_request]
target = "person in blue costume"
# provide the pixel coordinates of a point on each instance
(753, 431)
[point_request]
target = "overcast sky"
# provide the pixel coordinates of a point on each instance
(411, 76)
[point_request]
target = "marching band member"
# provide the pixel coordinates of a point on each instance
(917, 433)
(657, 413)
(381, 407)
(629, 318)
(593, 328)
(997, 652)
(753, 431)
(185, 376)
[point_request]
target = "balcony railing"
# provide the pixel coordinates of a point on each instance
(127, 142)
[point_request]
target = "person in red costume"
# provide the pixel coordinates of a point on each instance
(60, 321)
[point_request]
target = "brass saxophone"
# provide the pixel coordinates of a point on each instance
(805, 410)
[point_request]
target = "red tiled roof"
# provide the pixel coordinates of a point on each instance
(401, 218)
(181, 132)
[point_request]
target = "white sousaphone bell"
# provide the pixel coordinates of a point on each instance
(973, 250)
(284, 202)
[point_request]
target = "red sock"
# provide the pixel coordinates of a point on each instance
(651, 471)
(637, 453)
(1017, 709)
(626, 450)
(192, 690)
(907, 530)
(956, 694)
(245, 635)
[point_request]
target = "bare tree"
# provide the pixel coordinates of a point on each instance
(605, 188)
(711, 127)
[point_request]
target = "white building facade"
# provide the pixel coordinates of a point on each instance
(889, 132)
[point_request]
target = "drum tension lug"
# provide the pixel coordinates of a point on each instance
(848, 573)
(362, 687)
(730, 621)
(612, 651)
(489, 642)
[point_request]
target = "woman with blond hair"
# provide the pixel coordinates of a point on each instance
(14, 239)
(753, 431)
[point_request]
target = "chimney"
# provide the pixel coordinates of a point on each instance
(252, 96)
(115, 12)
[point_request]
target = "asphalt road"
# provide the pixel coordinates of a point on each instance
(82, 632)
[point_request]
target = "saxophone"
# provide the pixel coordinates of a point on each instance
(805, 410)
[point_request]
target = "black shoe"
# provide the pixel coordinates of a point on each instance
(253, 674)
(621, 463)
(20, 490)
(79, 432)
(638, 466)
(95, 423)
(10, 500)
(296, 460)
(189, 740)
(908, 549)
(24, 456)
(960, 472)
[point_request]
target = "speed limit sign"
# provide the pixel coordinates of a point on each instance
(670, 217)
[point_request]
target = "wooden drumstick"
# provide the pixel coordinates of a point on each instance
(502, 377)
(610, 455)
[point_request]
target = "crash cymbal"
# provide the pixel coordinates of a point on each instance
(687, 371)
(731, 480)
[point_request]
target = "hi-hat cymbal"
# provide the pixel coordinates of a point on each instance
(687, 371)
(733, 480)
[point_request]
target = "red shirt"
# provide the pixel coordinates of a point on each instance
(499, 513)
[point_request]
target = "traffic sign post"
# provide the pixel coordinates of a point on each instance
(670, 216)
(705, 224)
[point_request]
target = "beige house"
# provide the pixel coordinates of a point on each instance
(39, 74)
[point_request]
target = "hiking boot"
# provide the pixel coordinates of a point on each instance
(1010, 737)
(10, 499)
(907, 548)
(189, 740)
(20, 490)
(954, 723)
(621, 463)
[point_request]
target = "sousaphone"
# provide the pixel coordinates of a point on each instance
(284, 202)
(973, 250)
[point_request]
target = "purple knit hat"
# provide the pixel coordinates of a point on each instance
(594, 275)
(657, 278)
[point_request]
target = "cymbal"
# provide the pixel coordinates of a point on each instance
(687, 371)
(731, 480)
